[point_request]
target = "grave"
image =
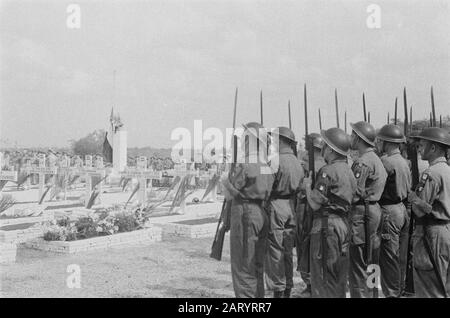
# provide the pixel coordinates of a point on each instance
(142, 174)
(190, 228)
(42, 171)
(144, 236)
(91, 172)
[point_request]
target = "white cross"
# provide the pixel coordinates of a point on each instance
(89, 172)
(142, 174)
(42, 171)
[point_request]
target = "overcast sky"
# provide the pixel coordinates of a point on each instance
(177, 61)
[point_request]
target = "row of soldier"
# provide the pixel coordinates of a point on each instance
(354, 219)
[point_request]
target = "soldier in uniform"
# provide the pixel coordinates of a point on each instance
(394, 216)
(371, 178)
(249, 188)
(281, 210)
(330, 200)
(431, 207)
(304, 216)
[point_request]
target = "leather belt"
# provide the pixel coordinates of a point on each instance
(361, 202)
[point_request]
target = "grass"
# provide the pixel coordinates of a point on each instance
(177, 267)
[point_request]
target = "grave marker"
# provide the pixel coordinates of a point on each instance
(142, 174)
(42, 171)
(90, 171)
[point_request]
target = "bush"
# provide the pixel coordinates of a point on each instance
(126, 222)
(86, 228)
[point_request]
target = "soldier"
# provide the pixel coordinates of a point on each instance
(304, 217)
(330, 200)
(249, 189)
(365, 212)
(281, 210)
(431, 206)
(394, 216)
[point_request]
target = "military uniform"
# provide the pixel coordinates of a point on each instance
(371, 178)
(304, 223)
(334, 189)
(248, 227)
(282, 225)
(394, 224)
(434, 227)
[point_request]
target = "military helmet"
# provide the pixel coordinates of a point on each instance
(284, 132)
(365, 131)
(435, 134)
(337, 140)
(391, 133)
(257, 130)
(317, 140)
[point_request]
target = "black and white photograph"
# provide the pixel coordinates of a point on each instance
(225, 149)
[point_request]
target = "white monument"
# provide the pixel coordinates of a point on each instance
(119, 143)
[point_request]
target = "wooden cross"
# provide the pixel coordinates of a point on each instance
(142, 174)
(42, 171)
(89, 172)
(8, 175)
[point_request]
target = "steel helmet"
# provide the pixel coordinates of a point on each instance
(317, 140)
(365, 131)
(284, 132)
(435, 134)
(337, 140)
(391, 133)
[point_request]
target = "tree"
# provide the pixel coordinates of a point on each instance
(90, 145)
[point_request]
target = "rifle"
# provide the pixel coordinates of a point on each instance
(412, 156)
(223, 225)
(311, 167)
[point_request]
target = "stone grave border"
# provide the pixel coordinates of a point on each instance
(147, 235)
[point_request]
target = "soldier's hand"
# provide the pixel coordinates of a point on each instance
(417, 204)
(307, 181)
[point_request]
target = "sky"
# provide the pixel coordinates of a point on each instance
(178, 61)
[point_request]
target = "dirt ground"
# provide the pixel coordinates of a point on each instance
(175, 267)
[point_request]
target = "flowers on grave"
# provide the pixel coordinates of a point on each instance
(62, 230)
(106, 222)
(107, 226)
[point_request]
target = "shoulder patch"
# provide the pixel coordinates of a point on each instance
(423, 179)
(324, 175)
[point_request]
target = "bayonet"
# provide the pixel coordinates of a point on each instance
(337, 107)
(320, 121)
(395, 113)
(364, 107)
(433, 109)
(289, 111)
(261, 107)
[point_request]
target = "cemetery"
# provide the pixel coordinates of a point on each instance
(82, 205)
